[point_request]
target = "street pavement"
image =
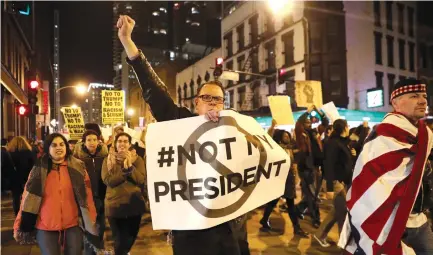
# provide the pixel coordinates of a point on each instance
(155, 242)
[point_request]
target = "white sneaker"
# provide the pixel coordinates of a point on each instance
(322, 243)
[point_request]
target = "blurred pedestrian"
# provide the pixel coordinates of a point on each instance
(22, 160)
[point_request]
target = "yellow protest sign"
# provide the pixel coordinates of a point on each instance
(113, 109)
(74, 121)
(308, 93)
(281, 110)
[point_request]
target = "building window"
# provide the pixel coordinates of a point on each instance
(228, 39)
(185, 90)
(391, 81)
(400, 8)
(179, 96)
(378, 47)
(376, 5)
(316, 73)
(390, 50)
(289, 49)
(229, 66)
(254, 29)
(423, 55)
(191, 85)
(401, 53)
(232, 98)
(241, 96)
(379, 79)
(255, 61)
(389, 15)
(241, 62)
(410, 17)
(430, 52)
(270, 51)
(335, 79)
(315, 37)
(270, 26)
(332, 35)
(288, 20)
(411, 57)
(241, 37)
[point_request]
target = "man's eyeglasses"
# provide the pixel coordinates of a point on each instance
(209, 98)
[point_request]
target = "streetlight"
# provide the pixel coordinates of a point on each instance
(81, 89)
(129, 112)
(280, 7)
(74, 106)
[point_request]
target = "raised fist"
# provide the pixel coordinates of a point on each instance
(125, 24)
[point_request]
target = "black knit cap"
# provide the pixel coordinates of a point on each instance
(93, 126)
(407, 86)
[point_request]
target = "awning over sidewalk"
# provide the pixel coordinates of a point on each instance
(349, 115)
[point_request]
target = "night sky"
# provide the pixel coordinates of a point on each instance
(85, 44)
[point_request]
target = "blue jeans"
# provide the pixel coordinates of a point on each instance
(51, 242)
(420, 239)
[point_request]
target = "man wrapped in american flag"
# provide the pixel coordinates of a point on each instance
(387, 179)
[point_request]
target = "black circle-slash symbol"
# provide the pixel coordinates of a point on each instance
(219, 167)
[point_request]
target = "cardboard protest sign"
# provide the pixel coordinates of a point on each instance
(308, 93)
(201, 173)
(113, 108)
(74, 121)
(281, 110)
(331, 111)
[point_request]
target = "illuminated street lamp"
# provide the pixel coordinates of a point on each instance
(81, 89)
(280, 7)
(130, 112)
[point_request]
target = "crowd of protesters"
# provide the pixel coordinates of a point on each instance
(65, 189)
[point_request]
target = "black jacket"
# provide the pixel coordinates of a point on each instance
(94, 167)
(23, 162)
(338, 162)
(155, 92)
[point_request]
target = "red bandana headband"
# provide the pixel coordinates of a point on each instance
(408, 89)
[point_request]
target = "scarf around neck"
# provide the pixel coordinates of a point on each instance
(33, 195)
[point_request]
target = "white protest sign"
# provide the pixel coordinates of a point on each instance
(281, 110)
(135, 135)
(331, 111)
(106, 132)
(202, 173)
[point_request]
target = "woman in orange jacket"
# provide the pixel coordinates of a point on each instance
(57, 205)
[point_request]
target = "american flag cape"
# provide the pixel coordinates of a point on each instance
(385, 184)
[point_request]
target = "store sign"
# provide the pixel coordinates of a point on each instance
(375, 98)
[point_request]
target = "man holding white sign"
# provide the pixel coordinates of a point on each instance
(198, 195)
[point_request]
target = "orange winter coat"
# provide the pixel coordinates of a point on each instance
(59, 209)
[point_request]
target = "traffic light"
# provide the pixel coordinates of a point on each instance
(33, 94)
(21, 7)
(23, 110)
(282, 75)
(218, 67)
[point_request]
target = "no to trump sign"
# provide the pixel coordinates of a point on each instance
(202, 174)
(113, 109)
(74, 121)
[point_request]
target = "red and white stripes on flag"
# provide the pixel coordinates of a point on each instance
(385, 183)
